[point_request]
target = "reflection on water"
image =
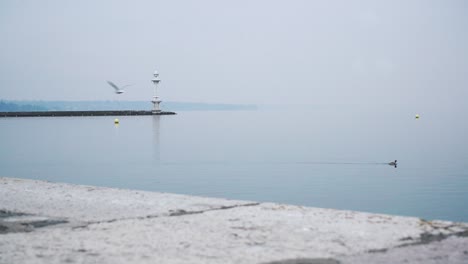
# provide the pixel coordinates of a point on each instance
(322, 157)
(156, 138)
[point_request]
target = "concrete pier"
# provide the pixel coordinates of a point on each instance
(43, 222)
(84, 113)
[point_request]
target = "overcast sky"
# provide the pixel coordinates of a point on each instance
(237, 51)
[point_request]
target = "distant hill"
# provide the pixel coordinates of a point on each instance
(11, 106)
(14, 107)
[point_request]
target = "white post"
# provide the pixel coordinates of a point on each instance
(156, 101)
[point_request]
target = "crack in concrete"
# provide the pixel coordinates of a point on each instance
(21, 222)
(183, 212)
(6, 214)
(306, 261)
(427, 238)
(172, 213)
(424, 239)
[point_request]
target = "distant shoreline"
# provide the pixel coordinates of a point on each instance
(33, 106)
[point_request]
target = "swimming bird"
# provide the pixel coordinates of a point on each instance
(118, 90)
(393, 163)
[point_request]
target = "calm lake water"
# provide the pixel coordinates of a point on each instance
(333, 157)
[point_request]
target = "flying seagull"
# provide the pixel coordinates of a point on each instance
(118, 90)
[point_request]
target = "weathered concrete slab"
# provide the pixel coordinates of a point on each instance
(90, 203)
(103, 225)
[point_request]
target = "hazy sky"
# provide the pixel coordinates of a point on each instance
(242, 51)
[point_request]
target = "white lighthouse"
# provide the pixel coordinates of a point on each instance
(156, 101)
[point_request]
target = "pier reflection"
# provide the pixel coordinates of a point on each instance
(156, 138)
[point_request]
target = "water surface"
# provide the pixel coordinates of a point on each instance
(321, 156)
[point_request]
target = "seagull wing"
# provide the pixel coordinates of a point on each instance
(113, 85)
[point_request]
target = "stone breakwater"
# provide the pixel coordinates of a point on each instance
(84, 113)
(43, 222)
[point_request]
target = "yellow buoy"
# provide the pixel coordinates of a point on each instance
(116, 121)
(417, 116)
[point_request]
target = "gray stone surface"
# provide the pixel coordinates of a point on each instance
(84, 224)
